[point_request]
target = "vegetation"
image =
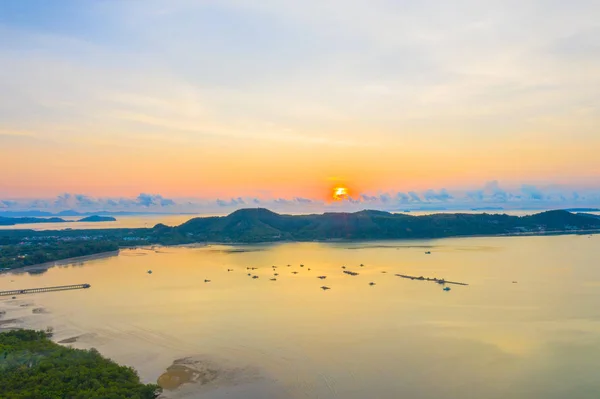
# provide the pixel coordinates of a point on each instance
(33, 367)
(26, 247)
(256, 225)
(26, 253)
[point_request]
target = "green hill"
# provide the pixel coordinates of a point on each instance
(258, 225)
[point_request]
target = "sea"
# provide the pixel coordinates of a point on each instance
(215, 321)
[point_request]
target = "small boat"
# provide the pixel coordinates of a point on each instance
(294, 272)
(207, 281)
(273, 279)
(371, 283)
(322, 277)
(361, 265)
(325, 288)
(446, 288)
(254, 276)
(149, 272)
(276, 274)
(427, 252)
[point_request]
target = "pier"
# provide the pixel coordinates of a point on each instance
(435, 280)
(45, 289)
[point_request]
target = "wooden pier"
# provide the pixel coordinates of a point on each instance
(44, 289)
(435, 280)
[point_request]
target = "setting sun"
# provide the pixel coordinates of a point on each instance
(340, 193)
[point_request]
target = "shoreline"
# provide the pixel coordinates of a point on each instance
(101, 255)
(61, 262)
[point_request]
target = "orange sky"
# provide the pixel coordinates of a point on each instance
(286, 99)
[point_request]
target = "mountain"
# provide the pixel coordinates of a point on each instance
(260, 225)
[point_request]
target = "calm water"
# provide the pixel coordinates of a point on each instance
(537, 338)
(137, 221)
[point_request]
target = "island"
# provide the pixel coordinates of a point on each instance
(96, 218)
(12, 221)
(20, 248)
(34, 367)
(9, 221)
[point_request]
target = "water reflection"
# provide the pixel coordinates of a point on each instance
(289, 338)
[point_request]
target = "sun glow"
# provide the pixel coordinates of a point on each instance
(340, 193)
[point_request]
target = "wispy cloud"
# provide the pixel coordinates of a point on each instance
(423, 90)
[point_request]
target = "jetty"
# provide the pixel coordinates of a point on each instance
(434, 279)
(45, 289)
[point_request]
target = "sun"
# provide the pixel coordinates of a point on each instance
(340, 193)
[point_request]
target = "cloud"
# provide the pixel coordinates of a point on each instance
(414, 196)
(231, 202)
(301, 200)
(443, 195)
(385, 198)
(283, 201)
(476, 195)
(148, 200)
(8, 203)
(532, 192)
(402, 198)
(526, 196)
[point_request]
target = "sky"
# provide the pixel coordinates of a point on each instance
(209, 102)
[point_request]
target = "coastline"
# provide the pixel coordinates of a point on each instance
(47, 265)
(61, 262)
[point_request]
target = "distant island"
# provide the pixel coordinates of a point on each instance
(96, 218)
(27, 247)
(4, 221)
(12, 221)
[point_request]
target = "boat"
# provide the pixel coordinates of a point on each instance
(427, 252)
(149, 272)
(446, 288)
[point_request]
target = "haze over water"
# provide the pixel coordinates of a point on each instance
(536, 338)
